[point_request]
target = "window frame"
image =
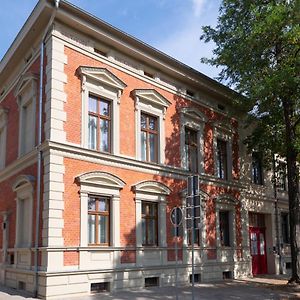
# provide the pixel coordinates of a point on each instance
(100, 117)
(195, 120)
(257, 167)
(189, 146)
(225, 241)
(101, 83)
(225, 133)
(148, 217)
(222, 159)
(282, 176)
(149, 131)
(3, 137)
(151, 102)
(26, 93)
(285, 228)
(97, 213)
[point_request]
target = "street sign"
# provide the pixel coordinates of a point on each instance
(176, 216)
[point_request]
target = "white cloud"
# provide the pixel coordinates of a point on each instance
(198, 6)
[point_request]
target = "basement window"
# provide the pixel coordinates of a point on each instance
(100, 287)
(151, 281)
(197, 278)
(288, 265)
(21, 285)
(227, 275)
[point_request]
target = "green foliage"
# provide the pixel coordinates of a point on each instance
(258, 49)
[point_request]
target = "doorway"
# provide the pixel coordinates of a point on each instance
(257, 233)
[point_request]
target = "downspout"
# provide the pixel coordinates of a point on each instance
(39, 142)
(276, 214)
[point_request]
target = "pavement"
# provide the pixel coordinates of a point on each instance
(257, 288)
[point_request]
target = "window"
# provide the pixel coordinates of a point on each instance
(26, 95)
(149, 133)
(224, 228)
(257, 176)
(285, 228)
(98, 220)
(150, 211)
(100, 114)
(196, 236)
(149, 224)
(99, 215)
(282, 177)
(3, 130)
(23, 187)
(222, 164)
(150, 112)
(191, 149)
(99, 124)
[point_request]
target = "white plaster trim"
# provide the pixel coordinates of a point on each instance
(194, 119)
(151, 186)
(103, 83)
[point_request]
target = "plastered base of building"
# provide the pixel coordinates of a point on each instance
(60, 284)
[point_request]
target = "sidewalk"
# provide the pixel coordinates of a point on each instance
(257, 288)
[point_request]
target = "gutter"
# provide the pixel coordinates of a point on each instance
(40, 151)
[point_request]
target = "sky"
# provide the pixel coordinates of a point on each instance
(171, 26)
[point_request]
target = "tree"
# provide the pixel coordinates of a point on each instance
(258, 50)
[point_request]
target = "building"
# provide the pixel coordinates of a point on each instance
(86, 189)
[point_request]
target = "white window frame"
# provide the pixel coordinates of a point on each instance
(156, 192)
(151, 102)
(100, 184)
(226, 203)
(26, 93)
(223, 132)
(3, 136)
(102, 83)
(24, 188)
(194, 119)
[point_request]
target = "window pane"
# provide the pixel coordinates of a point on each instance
(103, 205)
(143, 231)
(153, 147)
(92, 132)
(103, 229)
(91, 228)
(143, 145)
(262, 244)
(152, 123)
(143, 121)
(104, 135)
(224, 228)
(152, 232)
(104, 108)
(253, 242)
(93, 104)
(91, 204)
(222, 159)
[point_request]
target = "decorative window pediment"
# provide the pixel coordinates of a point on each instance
(26, 87)
(226, 200)
(194, 114)
(100, 75)
(150, 96)
(151, 187)
(23, 181)
(103, 179)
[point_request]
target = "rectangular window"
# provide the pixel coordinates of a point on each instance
(224, 228)
(196, 236)
(98, 220)
(282, 177)
(191, 149)
(257, 175)
(23, 223)
(99, 124)
(285, 230)
(149, 224)
(27, 128)
(222, 165)
(149, 138)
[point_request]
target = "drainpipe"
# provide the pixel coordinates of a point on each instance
(276, 213)
(39, 142)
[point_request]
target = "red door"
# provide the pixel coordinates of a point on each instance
(258, 250)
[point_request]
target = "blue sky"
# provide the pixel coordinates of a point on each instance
(172, 26)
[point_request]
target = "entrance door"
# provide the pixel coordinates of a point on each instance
(258, 250)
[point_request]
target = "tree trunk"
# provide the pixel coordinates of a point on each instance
(292, 174)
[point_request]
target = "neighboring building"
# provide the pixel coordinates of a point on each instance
(123, 126)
